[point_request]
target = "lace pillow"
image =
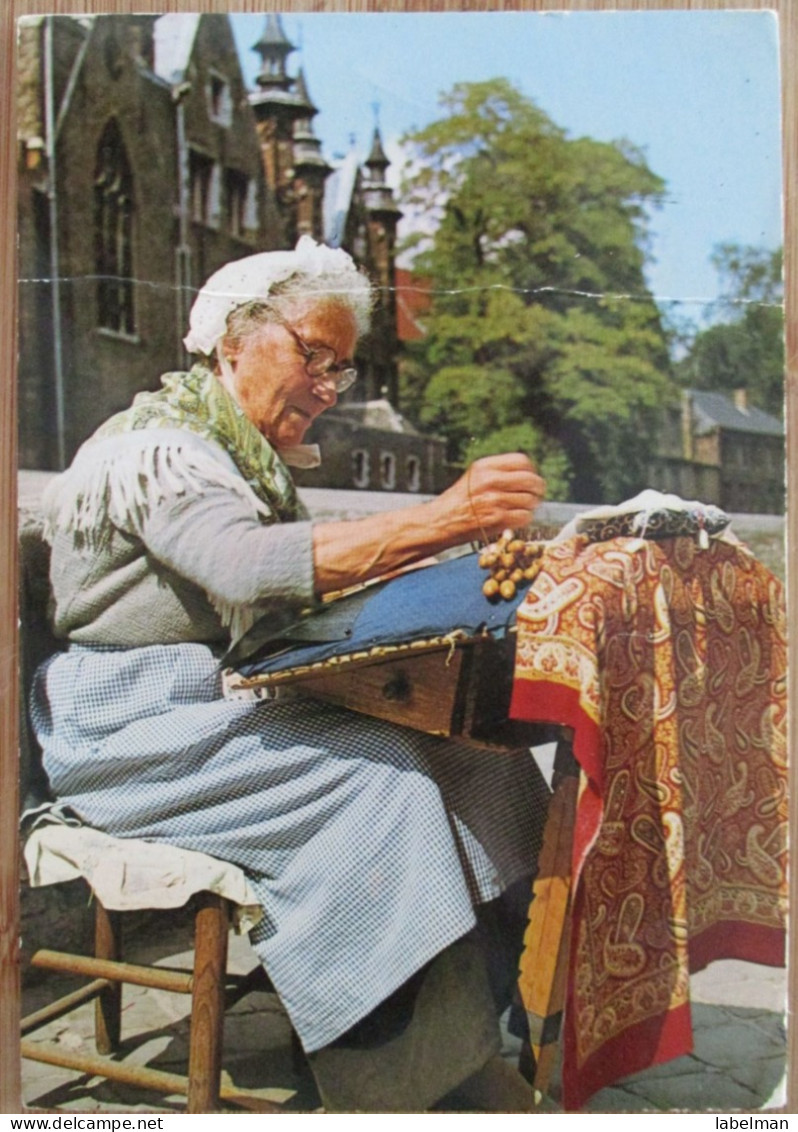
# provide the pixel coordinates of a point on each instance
(652, 514)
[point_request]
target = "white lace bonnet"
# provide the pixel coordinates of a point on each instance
(254, 277)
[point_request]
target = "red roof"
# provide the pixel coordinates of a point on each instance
(412, 303)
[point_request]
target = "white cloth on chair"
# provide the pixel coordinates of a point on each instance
(128, 874)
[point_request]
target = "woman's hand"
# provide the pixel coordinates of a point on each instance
(495, 493)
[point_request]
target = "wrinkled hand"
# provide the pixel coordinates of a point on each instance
(495, 493)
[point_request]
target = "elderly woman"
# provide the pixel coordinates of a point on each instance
(369, 845)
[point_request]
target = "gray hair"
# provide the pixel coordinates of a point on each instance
(355, 294)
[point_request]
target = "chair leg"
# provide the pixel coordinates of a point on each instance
(211, 925)
(108, 1005)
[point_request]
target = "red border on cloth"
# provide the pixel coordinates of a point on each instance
(670, 1034)
(730, 939)
(640, 1047)
(545, 701)
(548, 702)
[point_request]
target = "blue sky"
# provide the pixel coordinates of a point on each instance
(697, 91)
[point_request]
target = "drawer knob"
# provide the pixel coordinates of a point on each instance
(397, 688)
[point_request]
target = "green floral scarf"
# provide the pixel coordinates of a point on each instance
(198, 402)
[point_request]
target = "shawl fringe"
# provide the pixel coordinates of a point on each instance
(117, 490)
(239, 619)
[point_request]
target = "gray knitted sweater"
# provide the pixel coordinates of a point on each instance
(156, 539)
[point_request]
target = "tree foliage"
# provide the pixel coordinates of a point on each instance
(535, 246)
(746, 351)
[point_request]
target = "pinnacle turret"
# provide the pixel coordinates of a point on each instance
(274, 47)
(376, 158)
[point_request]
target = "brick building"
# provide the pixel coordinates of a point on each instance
(144, 165)
(722, 450)
(360, 214)
(348, 204)
(140, 173)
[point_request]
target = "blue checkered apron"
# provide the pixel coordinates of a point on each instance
(367, 843)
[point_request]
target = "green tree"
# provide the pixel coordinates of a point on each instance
(746, 350)
(548, 456)
(535, 245)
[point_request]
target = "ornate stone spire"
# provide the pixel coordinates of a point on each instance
(307, 147)
(274, 47)
(377, 162)
(303, 96)
(377, 193)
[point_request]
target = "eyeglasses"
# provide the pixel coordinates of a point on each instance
(321, 362)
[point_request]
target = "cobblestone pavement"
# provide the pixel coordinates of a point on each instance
(739, 1059)
(738, 1062)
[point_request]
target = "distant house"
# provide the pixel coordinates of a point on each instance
(371, 447)
(722, 450)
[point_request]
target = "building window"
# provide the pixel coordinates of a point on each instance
(240, 204)
(220, 102)
(387, 471)
(204, 179)
(113, 233)
(360, 245)
(360, 467)
(413, 468)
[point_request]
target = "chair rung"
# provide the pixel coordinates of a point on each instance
(142, 1075)
(180, 982)
(62, 1006)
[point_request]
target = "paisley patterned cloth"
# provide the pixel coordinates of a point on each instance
(670, 664)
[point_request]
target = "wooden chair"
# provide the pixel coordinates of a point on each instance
(212, 991)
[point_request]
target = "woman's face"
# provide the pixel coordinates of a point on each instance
(269, 379)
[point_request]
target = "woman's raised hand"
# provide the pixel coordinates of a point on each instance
(495, 493)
